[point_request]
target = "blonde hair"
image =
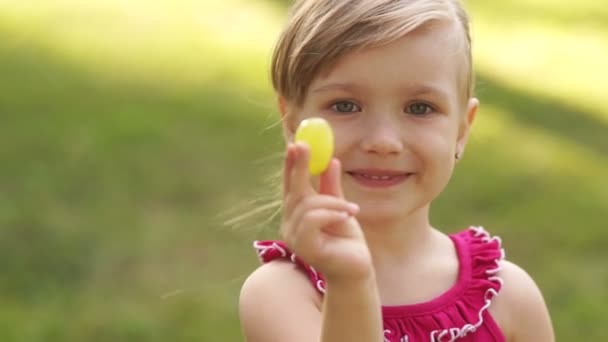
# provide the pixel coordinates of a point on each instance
(319, 32)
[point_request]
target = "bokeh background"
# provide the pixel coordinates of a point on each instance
(131, 130)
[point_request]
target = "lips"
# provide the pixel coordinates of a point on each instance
(378, 177)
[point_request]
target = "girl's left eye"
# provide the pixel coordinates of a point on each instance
(419, 108)
(345, 107)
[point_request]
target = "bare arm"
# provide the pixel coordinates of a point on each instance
(351, 312)
(278, 303)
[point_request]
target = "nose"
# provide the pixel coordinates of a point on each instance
(382, 136)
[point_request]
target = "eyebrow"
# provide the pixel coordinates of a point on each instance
(417, 89)
(425, 89)
(337, 86)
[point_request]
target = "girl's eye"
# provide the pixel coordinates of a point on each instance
(345, 107)
(419, 108)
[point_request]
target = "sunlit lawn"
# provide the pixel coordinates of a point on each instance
(129, 131)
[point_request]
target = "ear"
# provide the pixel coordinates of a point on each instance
(466, 124)
(287, 119)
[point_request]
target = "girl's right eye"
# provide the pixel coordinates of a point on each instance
(345, 107)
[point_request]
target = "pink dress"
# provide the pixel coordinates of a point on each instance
(460, 314)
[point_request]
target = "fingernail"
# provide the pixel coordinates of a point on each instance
(353, 207)
(302, 145)
(294, 152)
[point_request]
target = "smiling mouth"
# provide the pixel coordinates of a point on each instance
(379, 179)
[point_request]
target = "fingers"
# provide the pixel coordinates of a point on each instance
(296, 220)
(309, 237)
(323, 202)
(297, 183)
(330, 181)
(300, 177)
(297, 186)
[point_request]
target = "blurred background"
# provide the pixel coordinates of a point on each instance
(131, 130)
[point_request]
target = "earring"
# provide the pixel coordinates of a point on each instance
(457, 156)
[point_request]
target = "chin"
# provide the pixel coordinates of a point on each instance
(395, 210)
(381, 212)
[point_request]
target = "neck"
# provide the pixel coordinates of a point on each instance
(399, 240)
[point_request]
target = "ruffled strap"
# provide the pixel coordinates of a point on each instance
(269, 250)
(485, 256)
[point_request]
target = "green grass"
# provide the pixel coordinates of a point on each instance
(130, 131)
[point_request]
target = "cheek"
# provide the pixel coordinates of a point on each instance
(435, 143)
(344, 137)
(436, 149)
(437, 166)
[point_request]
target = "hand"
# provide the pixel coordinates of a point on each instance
(320, 227)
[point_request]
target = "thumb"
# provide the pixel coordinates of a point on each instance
(330, 181)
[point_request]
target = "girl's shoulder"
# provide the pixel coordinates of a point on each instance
(276, 301)
(521, 309)
(277, 278)
(285, 272)
(276, 250)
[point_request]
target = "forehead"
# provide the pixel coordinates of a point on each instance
(432, 55)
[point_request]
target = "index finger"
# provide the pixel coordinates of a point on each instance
(300, 177)
(297, 177)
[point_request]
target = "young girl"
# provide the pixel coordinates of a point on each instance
(359, 259)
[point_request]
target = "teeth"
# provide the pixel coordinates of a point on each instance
(376, 177)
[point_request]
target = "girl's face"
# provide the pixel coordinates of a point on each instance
(398, 119)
